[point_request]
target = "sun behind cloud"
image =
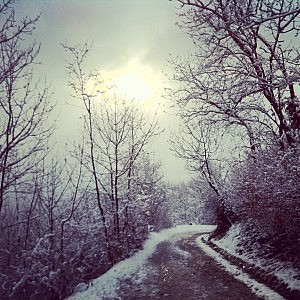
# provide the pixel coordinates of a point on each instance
(136, 81)
(132, 85)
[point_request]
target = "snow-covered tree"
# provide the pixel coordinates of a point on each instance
(118, 132)
(265, 194)
(192, 202)
(245, 72)
(241, 83)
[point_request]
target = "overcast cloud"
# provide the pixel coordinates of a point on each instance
(121, 31)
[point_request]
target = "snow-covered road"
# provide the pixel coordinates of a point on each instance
(172, 266)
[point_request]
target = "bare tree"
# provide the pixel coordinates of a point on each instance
(192, 202)
(118, 132)
(198, 145)
(123, 132)
(246, 66)
(76, 197)
(78, 81)
(24, 105)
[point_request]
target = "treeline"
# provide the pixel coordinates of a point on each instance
(238, 99)
(66, 219)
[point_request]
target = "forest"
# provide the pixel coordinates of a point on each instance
(67, 219)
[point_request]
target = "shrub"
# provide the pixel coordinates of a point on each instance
(266, 196)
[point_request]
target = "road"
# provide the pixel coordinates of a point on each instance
(180, 270)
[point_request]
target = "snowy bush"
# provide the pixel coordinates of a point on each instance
(266, 196)
(192, 202)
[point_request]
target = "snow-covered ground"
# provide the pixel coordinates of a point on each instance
(258, 288)
(281, 270)
(106, 285)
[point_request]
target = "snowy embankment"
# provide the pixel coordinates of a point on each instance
(258, 288)
(274, 271)
(283, 271)
(106, 285)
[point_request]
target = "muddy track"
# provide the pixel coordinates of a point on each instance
(180, 270)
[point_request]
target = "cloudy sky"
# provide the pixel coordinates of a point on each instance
(132, 40)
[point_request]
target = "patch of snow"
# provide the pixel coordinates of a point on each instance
(288, 275)
(106, 286)
(230, 242)
(258, 288)
(80, 287)
(181, 252)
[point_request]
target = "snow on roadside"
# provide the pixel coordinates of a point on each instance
(105, 286)
(258, 288)
(230, 242)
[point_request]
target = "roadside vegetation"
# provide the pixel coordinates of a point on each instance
(238, 97)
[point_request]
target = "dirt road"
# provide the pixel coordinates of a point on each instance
(180, 270)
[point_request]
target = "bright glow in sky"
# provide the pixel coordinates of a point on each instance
(133, 86)
(136, 81)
